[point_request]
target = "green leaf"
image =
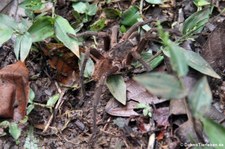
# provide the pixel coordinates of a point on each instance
(195, 61)
(141, 106)
(117, 87)
(146, 56)
(130, 17)
(123, 29)
(111, 13)
(80, 7)
(98, 25)
(14, 130)
(5, 33)
(22, 46)
(41, 29)
(145, 112)
(62, 27)
(31, 142)
(4, 124)
(8, 21)
(164, 36)
(163, 85)
(52, 100)
(177, 59)
(154, 1)
(200, 3)
(92, 9)
(215, 132)
(85, 8)
(32, 5)
(30, 108)
(31, 96)
(195, 23)
(200, 97)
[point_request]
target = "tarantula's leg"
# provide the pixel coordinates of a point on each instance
(134, 27)
(95, 102)
(82, 68)
(114, 35)
(138, 57)
(104, 35)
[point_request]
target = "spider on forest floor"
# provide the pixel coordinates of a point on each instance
(117, 56)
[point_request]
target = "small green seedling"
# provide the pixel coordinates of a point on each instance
(147, 110)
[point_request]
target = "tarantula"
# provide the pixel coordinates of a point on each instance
(117, 56)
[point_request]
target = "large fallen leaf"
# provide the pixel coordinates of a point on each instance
(117, 87)
(163, 85)
(15, 86)
(62, 28)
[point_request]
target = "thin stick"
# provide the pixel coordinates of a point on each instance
(56, 108)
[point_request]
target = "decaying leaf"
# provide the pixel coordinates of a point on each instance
(63, 60)
(138, 93)
(14, 89)
(114, 108)
(161, 116)
(213, 50)
(135, 94)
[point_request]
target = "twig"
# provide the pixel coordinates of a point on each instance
(62, 92)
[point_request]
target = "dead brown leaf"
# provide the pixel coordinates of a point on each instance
(213, 50)
(63, 60)
(114, 108)
(14, 89)
(138, 93)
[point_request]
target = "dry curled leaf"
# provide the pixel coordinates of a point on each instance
(14, 89)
